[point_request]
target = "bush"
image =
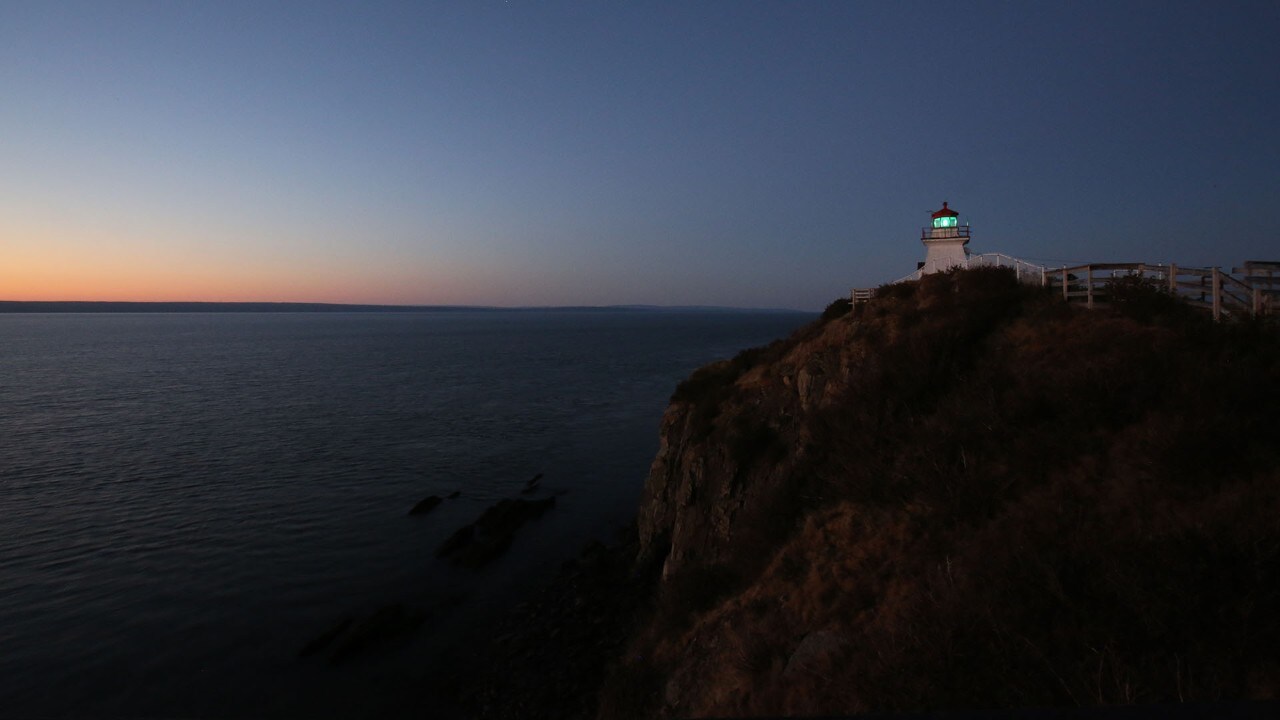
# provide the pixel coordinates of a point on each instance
(1147, 301)
(694, 590)
(632, 689)
(897, 291)
(838, 308)
(752, 439)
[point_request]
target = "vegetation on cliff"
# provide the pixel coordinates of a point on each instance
(966, 494)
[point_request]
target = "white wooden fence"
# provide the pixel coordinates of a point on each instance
(1252, 289)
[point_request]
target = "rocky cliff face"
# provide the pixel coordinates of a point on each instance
(968, 495)
(732, 434)
(740, 434)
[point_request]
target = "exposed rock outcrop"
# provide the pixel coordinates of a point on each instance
(488, 537)
(965, 495)
(548, 657)
(350, 635)
(425, 505)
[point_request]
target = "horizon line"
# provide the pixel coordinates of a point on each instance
(108, 306)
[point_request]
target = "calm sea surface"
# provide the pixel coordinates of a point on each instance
(187, 499)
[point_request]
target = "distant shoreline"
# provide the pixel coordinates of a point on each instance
(77, 306)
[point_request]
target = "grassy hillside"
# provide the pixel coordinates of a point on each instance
(966, 495)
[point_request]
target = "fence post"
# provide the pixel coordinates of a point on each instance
(1173, 279)
(1065, 297)
(1217, 295)
(1088, 286)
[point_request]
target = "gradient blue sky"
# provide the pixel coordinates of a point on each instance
(531, 153)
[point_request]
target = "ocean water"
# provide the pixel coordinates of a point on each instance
(187, 499)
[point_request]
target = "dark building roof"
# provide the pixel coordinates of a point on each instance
(945, 212)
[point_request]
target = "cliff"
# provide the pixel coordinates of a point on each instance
(965, 495)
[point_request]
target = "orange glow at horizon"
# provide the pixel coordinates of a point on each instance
(172, 259)
(206, 285)
(103, 269)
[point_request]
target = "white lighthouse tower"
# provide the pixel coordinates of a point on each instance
(944, 242)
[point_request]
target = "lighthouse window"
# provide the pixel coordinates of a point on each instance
(944, 222)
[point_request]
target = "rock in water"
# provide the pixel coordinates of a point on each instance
(426, 505)
(506, 516)
(387, 626)
(456, 541)
(484, 540)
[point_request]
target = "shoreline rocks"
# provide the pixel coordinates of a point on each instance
(549, 655)
(531, 486)
(426, 505)
(483, 541)
(350, 635)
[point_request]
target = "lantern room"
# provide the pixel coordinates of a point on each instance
(944, 241)
(946, 217)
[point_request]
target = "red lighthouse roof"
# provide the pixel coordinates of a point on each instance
(945, 212)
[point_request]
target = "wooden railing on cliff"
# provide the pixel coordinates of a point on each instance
(1253, 289)
(1212, 289)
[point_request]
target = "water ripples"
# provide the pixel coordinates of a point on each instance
(184, 498)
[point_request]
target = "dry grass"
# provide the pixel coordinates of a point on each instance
(1018, 504)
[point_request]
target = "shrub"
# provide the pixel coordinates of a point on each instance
(838, 308)
(694, 590)
(897, 291)
(752, 439)
(631, 689)
(1147, 301)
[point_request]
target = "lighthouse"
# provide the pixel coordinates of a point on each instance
(944, 242)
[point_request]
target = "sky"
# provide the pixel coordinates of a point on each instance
(750, 154)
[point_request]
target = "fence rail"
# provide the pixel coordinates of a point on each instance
(1253, 289)
(1219, 292)
(859, 296)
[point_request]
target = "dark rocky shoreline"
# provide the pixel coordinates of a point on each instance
(863, 519)
(545, 656)
(549, 655)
